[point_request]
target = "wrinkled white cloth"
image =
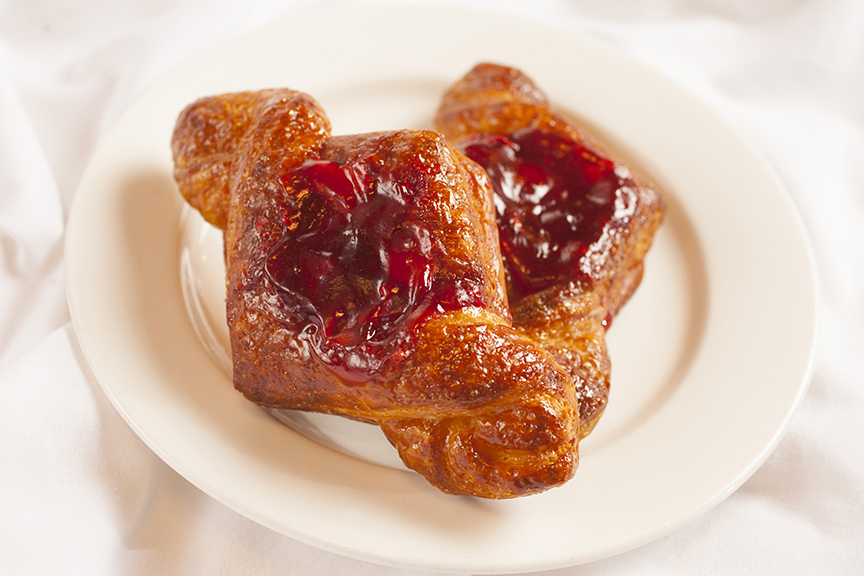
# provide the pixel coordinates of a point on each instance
(81, 494)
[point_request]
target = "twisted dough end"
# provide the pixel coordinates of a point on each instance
(502, 417)
(211, 133)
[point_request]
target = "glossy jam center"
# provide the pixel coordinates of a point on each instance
(553, 197)
(356, 265)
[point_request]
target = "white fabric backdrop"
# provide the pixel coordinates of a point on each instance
(81, 494)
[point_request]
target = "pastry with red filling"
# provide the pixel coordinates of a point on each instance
(365, 279)
(574, 224)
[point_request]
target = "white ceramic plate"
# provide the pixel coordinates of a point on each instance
(710, 358)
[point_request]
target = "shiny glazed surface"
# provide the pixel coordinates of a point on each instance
(357, 267)
(553, 197)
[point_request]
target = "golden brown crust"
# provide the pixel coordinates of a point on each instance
(206, 138)
(569, 322)
(469, 402)
(569, 318)
(485, 411)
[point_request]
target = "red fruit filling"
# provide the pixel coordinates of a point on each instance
(357, 267)
(554, 198)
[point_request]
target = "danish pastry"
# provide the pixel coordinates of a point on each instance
(574, 224)
(365, 279)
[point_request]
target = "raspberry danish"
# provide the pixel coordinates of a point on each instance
(574, 224)
(365, 279)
